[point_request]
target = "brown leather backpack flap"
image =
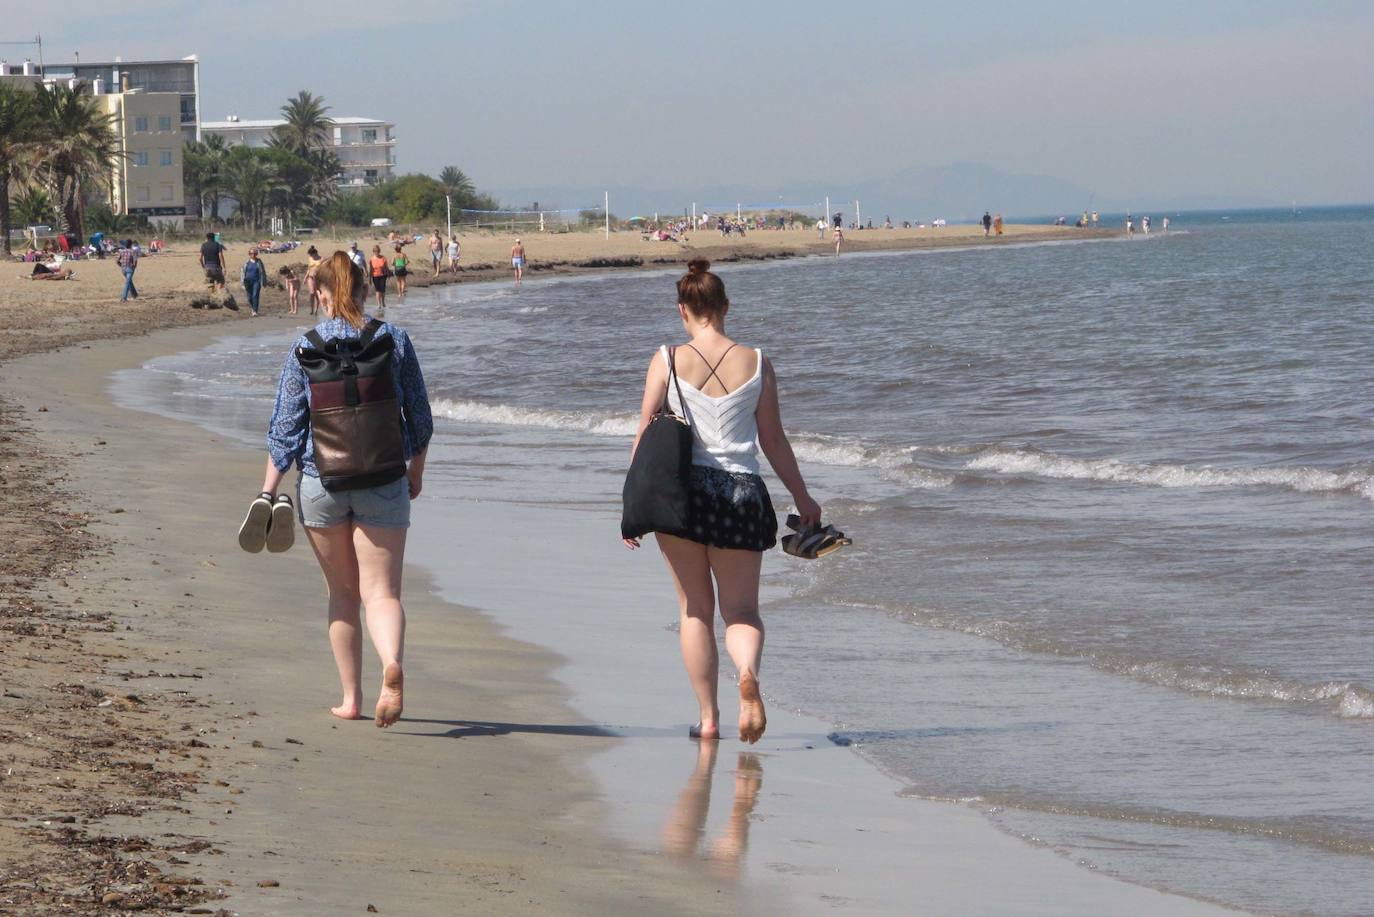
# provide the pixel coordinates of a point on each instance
(359, 439)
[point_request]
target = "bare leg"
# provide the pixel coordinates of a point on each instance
(334, 550)
(697, 612)
(737, 582)
(381, 551)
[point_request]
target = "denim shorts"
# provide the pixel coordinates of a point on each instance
(387, 506)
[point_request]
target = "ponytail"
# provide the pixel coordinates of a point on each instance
(347, 285)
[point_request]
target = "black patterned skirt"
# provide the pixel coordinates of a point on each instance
(730, 510)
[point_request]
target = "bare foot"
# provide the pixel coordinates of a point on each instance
(752, 720)
(389, 704)
(347, 711)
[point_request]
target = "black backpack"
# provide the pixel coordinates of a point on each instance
(354, 416)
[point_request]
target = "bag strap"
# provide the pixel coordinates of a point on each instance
(369, 332)
(672, 371)
(315, 340)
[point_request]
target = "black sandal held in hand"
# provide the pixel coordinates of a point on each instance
(812, 542)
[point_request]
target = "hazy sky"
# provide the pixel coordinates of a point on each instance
(1248, 99)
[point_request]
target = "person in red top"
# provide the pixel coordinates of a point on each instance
(379, 270)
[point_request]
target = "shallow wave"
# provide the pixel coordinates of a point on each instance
(510, 416)
(1313, 833)
(892, 463)
(1358, 482)
(1345, 699)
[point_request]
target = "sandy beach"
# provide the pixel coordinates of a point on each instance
(167, 746)
(44, 314)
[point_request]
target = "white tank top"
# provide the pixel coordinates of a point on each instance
(725, 431)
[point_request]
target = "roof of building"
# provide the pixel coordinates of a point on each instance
(261, 123)
(188, 59)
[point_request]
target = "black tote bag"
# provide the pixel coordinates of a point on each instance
(655, 498)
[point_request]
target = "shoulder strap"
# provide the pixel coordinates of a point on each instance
(315, 340)
(672, 372)
(369, 332)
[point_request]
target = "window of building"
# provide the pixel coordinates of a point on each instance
(142, 194)
(164, 158)
(164, 122)
(370, 176)
(166, 192)
(141, 124)
(141, 158)
(369, 135)
(188, 109)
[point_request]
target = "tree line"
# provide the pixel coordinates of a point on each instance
(58, 151)
(296, 176)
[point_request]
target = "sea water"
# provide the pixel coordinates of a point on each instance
(1112, 505)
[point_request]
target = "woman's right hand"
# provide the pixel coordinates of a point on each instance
(808, 511)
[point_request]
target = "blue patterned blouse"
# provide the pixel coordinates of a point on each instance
(288, 437)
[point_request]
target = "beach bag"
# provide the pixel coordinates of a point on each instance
(656, 496)
(355, 418)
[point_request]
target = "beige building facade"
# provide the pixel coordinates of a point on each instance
(147, 179)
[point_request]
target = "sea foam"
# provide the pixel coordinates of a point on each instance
(1049, 465)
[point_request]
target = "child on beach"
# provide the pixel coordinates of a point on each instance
(293, 289)
(731, 400)
(358, 535)
(455, 251)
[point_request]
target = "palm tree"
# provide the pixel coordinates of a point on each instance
(307, 125)
(203, 166)
(456, 183)
(32, 206)
(18, 136)
(251, 180)
(79, 148)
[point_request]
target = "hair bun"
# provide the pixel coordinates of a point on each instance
(698, 266)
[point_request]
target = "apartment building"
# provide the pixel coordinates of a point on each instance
(147, 179)
(153, 76)
(366, 147)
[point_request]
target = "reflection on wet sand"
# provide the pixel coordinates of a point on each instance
(684, 834)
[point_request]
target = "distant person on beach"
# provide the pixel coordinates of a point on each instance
(455, 251)
(987, 224)
(254, 273)
(293, 289)
(820, 230)
(839, 239)
(127, 259)
(1164, 224)
(1094, 219)
(312, 267)
(436, 252)
(356, 256)
(1145, 225)
(997, 224)
(517, 261)
(731, 400)
(358, 535)
(400, 268)
(838, 219)
(212, 262)
(1130, 227)
(378, 269)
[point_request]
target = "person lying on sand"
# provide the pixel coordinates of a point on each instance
(42, 271)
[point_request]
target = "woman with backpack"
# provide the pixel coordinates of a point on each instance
(353, 415)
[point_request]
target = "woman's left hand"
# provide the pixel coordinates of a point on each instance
(415, 477)
(630, 543)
